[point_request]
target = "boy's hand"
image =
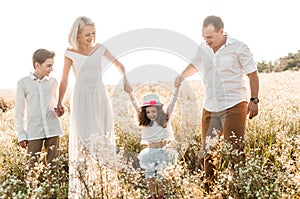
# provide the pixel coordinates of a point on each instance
(60, 110)
(24, 144)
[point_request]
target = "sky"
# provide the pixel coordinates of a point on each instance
(270, 28)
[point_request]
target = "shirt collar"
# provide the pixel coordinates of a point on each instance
(33, 77)
(229, 40)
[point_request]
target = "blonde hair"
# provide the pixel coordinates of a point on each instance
(78, 24)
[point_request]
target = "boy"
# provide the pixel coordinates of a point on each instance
(36, 94)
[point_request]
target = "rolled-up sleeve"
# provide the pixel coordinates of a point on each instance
(246, 59)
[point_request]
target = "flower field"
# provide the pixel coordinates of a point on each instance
(272, 168)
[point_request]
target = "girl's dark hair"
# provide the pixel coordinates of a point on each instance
(162, 117)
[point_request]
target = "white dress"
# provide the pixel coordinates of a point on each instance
(91, 136)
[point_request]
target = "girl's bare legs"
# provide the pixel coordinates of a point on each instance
(152, 186)
(158, 184)
(161, 188)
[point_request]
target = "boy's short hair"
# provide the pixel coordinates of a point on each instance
(41, 55)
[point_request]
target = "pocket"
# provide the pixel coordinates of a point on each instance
(226, 61)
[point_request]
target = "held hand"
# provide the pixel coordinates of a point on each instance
(252, 109)
(24, 144)
(60, 110)
(128, 89)
(178, 81)
(127, 86)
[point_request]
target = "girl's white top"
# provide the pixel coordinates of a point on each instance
(156, 133)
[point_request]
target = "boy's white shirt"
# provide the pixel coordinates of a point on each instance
(35, 117)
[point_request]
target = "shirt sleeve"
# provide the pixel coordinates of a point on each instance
(19, 112)
(172, 102)
(246, 59)
(55, 90)
(196, 61)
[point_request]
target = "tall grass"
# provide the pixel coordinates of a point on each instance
(271, 170)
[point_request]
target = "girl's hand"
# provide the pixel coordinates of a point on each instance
(178, 81)
(129, 89)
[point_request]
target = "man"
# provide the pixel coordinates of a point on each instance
(223, 62)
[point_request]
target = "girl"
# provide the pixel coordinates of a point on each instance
(157, 133)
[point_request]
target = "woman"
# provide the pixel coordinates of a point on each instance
(91, 141)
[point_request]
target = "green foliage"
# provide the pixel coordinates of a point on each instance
(4, 105)
(290, 62)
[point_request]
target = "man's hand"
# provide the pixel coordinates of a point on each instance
(127, 86)
(252, 109)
